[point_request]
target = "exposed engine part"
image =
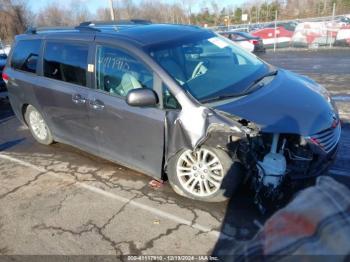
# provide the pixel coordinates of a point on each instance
(277, 165)
(248, 127)
(264, 157)
(273, 167)
(295, 157)
(299, 159)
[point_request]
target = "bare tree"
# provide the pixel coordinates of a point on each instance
(15, 17)
(129, 10)
(81, 14)
(103, 14)
(187, 6)
(54, 15)
(216, 11)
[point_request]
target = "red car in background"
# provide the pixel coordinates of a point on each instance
(3, 58)
(283, 36)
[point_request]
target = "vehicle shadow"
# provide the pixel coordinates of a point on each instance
(11, 143)
(5, 109)
(242, 219)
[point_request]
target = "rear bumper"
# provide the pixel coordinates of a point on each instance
(2, 82)
(343, 42)
(2, 86)
(259, 49)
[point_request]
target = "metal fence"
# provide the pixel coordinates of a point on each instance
(315, 32)
(253, 26)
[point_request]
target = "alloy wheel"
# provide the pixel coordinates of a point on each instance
(38, 125)
(200, 172)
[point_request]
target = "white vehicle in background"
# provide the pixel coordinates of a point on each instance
(4, 49)
(245, 45)
(343, 37)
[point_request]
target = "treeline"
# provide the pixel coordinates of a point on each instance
(17, 15)
(265, 11)
(14, 18)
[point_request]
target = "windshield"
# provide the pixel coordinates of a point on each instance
(210, 67)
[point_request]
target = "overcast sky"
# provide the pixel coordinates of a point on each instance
(93, 5)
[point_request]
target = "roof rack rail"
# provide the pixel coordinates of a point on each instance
(35, 30)
(90, 26)
(87, 28)
(116, 22)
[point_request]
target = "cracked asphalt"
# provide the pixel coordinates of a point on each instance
(60, 200)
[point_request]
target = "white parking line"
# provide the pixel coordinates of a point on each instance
(339, 172)
(104, 193)
(341, 98)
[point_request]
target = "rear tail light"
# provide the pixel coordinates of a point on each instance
(5, 76)
(254, 42)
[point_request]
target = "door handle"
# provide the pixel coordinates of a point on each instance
(78, 99)
(96, 104)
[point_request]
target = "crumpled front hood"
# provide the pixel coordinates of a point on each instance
(288, 104)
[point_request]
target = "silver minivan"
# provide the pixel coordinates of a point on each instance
(175, 102)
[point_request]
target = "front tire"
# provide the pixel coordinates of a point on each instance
(208, 174)
(37, 126)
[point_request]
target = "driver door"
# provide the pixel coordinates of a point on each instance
(132, 136)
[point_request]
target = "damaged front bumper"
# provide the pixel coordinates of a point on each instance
(324, 145)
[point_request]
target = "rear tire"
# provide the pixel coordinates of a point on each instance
(208, 174)
(37, 126)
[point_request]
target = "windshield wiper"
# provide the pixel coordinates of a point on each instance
(246, 91)
(249, 88)
(217, 98)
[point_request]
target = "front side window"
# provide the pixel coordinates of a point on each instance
(66, 62)
(25, 56)
(209, 66)
(117, 72)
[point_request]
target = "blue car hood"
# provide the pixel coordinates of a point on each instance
(288, 104)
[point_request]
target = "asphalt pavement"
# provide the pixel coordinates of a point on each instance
(59, 200)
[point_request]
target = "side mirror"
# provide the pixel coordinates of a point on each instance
(142, 97)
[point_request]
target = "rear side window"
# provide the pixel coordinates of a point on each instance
(236, 37)
(66, 62)
(25, 56)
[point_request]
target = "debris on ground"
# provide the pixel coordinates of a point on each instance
(156, 183)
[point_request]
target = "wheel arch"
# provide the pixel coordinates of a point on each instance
(24, 108)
